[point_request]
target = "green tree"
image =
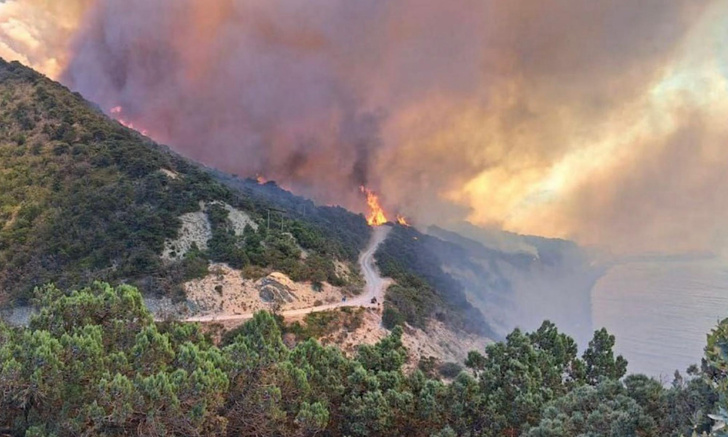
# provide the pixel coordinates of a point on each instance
(93, 362)
(599, 359)
(684, 408)
(520, 375)
(601, 410)
(715, 368)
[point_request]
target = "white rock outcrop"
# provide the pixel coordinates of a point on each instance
(195, 230)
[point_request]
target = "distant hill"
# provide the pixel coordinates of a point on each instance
(518, 281)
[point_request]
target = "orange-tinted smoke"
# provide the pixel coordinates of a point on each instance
(599, 121)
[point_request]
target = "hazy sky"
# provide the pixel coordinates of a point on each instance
(602, 121)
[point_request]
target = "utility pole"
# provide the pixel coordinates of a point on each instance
(280, 213)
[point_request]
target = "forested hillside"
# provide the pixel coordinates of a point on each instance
(423, 290)
(93, 362)
(84, 198)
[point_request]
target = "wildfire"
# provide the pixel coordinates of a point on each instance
(402, 220)
(376, 215)
(261, 180)
(116, 112)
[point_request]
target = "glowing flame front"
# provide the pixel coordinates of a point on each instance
(402, 220)
(376, 215)
(116, 112)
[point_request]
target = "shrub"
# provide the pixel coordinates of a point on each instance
(450, 370)
(391, 318)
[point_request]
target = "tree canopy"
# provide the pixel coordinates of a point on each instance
(94, 362)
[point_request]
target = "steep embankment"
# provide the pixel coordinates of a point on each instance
(519, 281)
(424, 290)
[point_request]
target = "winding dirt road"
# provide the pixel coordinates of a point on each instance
(374, 288)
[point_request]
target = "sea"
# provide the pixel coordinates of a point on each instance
(661, 310)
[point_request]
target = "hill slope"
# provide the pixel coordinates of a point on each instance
(84, 198)
(519, 281)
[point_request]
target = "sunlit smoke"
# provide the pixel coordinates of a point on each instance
(598, 121)
(38, 32)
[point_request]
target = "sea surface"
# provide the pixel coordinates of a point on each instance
(660, 311)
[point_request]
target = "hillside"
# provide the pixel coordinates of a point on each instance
(85, 201)
(423, 290)
(84, 198)
(518, 281)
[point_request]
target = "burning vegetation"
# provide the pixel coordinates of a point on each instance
(377, 216)
(117, 111)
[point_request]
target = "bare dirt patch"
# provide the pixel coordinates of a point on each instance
(437, 341)
(225, 291)
(169, 173)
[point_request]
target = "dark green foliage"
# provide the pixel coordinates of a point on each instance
(602, 410)
(599, 359)
(684, 408)
(194, 265)
(519, 376)
(321, 324)
(391, 317)
(225, 246)
(715, 366)
(450, 370)
(93, 362)
(411, 304)
(518, 380)
(84, 198)
(326, 230)
(87, 199)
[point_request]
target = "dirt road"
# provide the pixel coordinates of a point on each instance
(374, 288)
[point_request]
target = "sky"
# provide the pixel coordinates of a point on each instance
(601, 122)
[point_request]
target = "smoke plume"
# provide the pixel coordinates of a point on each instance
(598, 121)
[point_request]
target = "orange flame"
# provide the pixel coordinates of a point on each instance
(402, 220)
(116, 112)
(376, 215)
(261, 180)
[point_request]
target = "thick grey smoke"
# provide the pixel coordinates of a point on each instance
(563, 118)
(251, 87)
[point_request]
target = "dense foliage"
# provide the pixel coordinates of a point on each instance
(82, 197)
(338, 230)
(93, 362)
